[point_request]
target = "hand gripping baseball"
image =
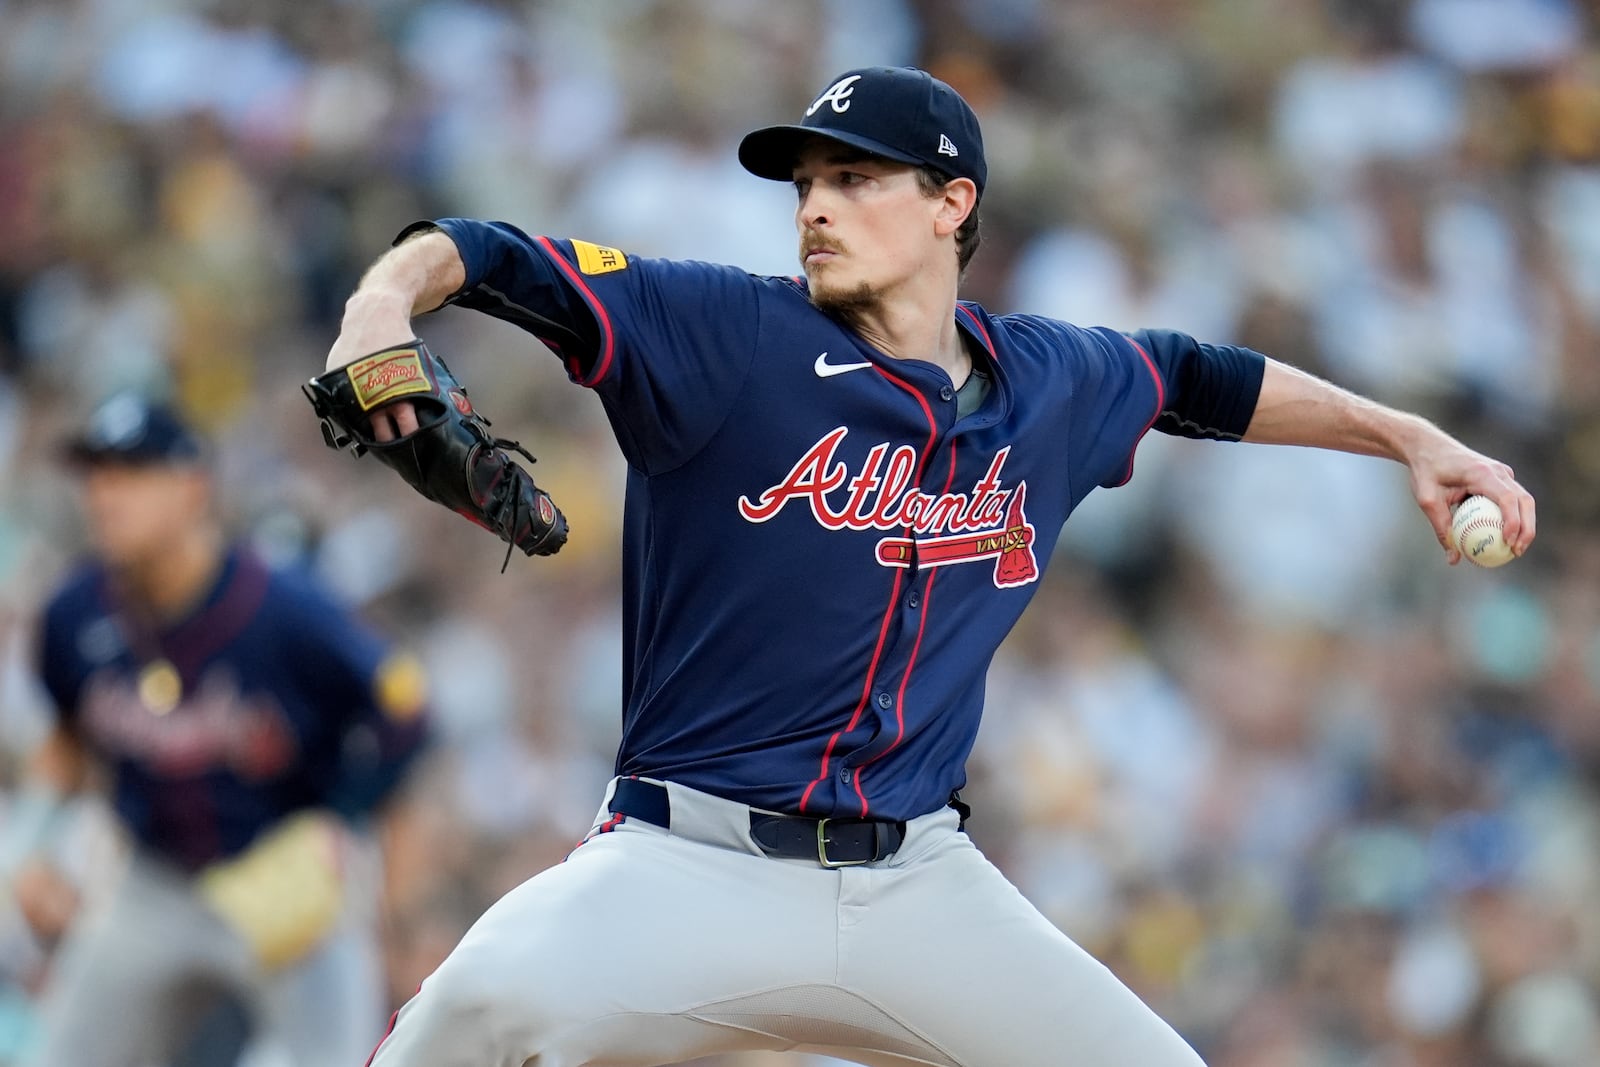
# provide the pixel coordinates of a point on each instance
(451, 458)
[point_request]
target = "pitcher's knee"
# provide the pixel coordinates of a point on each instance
(506, 1014)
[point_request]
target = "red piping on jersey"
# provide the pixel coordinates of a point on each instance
(866, 690)
(888, 612)
(916, 646)
(977, 324)
(608, 338)
(1161, 403)
(387, 1030)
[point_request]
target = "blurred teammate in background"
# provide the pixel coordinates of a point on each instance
(245, 726)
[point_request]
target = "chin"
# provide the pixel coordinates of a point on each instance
(843, 300)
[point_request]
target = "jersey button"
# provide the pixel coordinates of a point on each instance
(913, 600)
(947, 393)
(844, 775)
(884, 701)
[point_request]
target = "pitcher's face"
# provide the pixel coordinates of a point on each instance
(865, 225)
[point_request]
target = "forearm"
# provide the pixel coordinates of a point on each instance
(1296, 408)
(416, 276)
(419, 274)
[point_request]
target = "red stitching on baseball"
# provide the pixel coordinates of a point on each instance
(1482, 521)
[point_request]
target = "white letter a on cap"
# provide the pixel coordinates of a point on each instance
(838, 95)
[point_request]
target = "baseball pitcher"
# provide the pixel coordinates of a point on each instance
(843, 487)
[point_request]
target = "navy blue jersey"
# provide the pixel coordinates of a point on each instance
(265, 699)
(820, 558)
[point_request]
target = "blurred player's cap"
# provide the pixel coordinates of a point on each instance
(130, 429)
(900, 113)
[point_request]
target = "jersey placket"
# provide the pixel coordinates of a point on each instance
(912, 596)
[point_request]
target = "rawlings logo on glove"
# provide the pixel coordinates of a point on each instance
(387, 376)
(451, 458)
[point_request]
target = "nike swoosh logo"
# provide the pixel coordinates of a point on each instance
(825, 369)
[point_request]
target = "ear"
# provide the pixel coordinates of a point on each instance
(960, 200)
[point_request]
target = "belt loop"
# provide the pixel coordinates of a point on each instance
(645, 801)
(963, 809)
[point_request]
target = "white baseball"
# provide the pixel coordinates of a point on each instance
(1477, 531)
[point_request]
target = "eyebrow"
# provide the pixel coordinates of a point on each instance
(848, 154)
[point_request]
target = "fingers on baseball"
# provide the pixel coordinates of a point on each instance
(1516, 509)
(1520, 522)
(1438, 513)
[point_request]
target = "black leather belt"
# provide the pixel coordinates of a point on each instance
(830, 842)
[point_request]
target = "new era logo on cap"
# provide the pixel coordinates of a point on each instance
(900, 113)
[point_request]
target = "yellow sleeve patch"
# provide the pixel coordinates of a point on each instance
(400, 687)
(598, 259)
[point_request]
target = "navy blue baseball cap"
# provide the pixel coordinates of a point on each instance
(900, 113)
(133, 430)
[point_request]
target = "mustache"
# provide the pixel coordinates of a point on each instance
(818, 243)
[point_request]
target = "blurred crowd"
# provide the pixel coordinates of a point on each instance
(1322, 800)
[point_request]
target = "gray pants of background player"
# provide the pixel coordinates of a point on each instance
(647, 947)
(142, 969)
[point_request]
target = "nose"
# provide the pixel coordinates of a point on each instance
(813, 209)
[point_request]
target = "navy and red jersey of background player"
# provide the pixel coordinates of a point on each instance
(265, 699)
(820, 558)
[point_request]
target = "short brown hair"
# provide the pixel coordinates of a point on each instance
(932, 180)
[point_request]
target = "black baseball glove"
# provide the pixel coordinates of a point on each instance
(451, 457)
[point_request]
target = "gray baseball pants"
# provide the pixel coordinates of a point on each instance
(648, 946)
